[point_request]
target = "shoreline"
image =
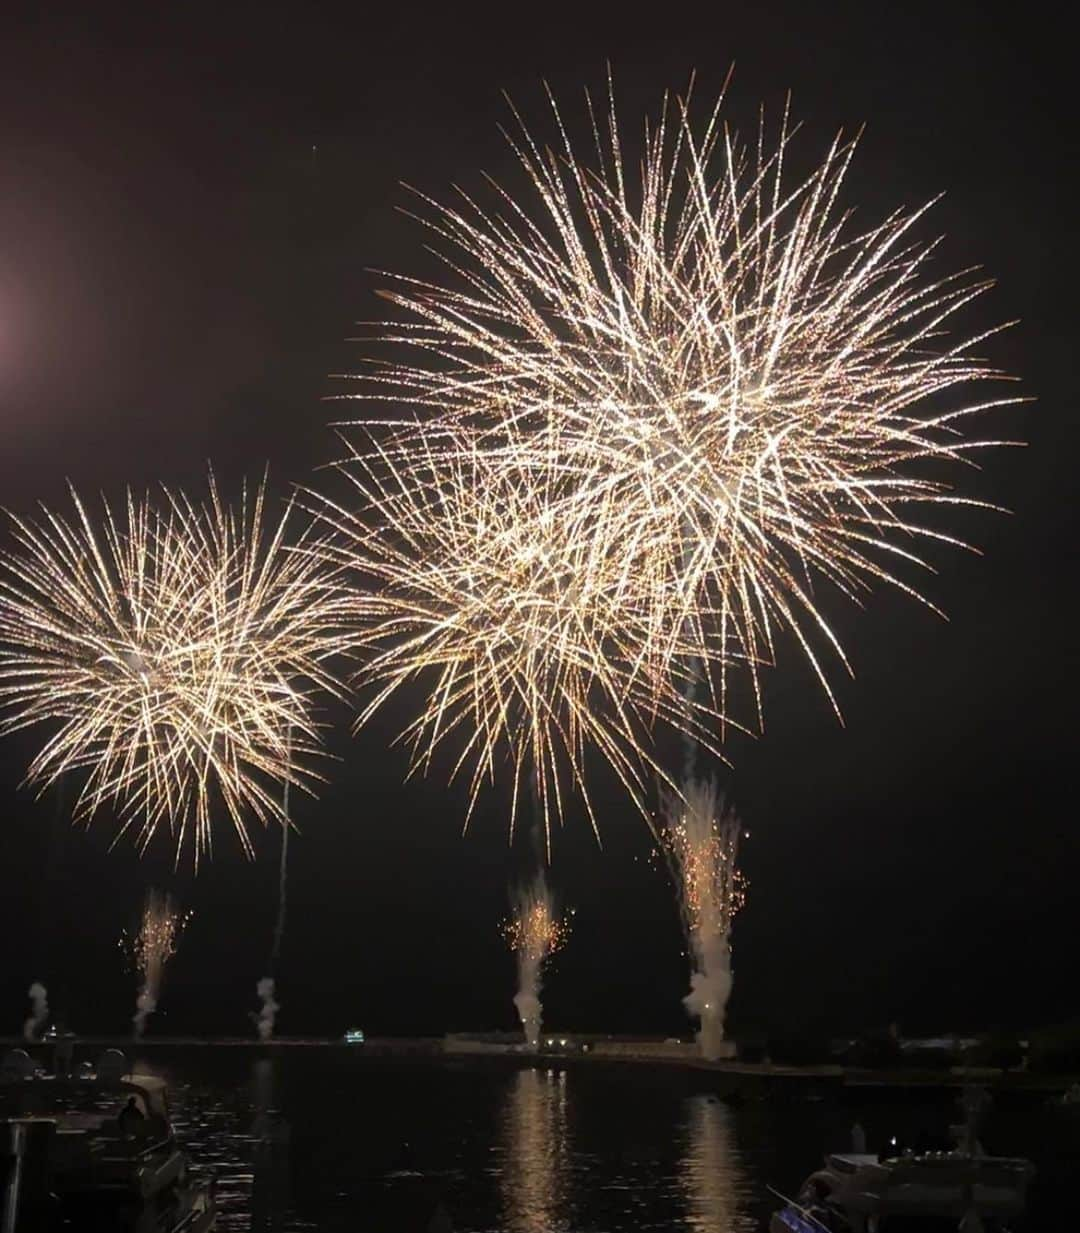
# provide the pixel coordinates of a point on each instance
(462, 1051)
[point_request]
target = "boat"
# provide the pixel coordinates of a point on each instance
(93, 1150)
(926, 1193)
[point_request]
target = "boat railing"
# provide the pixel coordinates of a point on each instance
(806, 1219)
(152, 1148)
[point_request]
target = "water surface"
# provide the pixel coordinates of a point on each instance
(331, 1140)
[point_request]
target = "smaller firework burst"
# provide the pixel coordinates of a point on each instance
(700, 841)
(149, 950)
(174, 651)
(534, 933)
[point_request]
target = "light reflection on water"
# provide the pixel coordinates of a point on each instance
(717, 1190)
(532, 1151)
(244, 1145)
(340, 1142)
(545, 1174)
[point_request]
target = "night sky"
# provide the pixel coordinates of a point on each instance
(180, 275)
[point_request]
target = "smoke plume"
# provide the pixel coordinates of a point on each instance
(268, 1012)
(145, 1005)
(39, 1013)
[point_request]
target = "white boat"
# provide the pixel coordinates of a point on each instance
(856, 1193)
(74, 1163)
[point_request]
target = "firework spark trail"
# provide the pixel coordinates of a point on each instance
(700, 841)
(534, 934)
(151, 949)
(171, 649)
(518, 611)
(740, 388)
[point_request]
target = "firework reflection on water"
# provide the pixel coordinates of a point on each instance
(534, 1171)
(236, 1135)
(717, 1192)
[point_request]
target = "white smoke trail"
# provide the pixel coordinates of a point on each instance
(710, 988)
(266, 1016)
(145, 1005)
(701, 842)
(38, 996)
(527, 999)
(269, 1009)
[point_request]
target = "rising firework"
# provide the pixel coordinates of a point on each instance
(700, 841)
(713, 354)
(534, 933)
(151, 949)
(175, 651)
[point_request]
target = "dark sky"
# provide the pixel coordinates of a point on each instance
(179, 278)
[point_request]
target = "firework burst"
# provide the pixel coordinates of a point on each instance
(155, 943)
(711, 352)
(513, 601)
(700, 842)
(175, 651)
(535, 930)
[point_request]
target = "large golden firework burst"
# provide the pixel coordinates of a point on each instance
(706, 351)
(174, 650)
